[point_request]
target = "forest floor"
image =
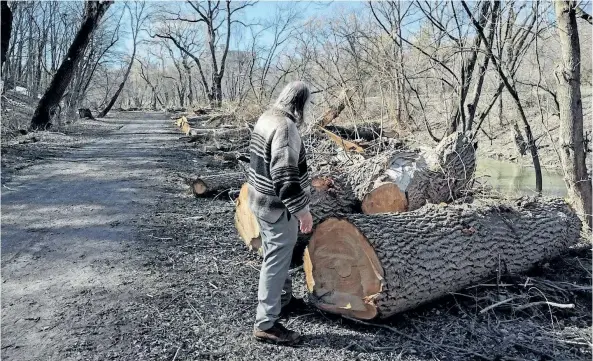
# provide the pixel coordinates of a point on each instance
(106, 256)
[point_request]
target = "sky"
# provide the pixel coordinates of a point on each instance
(265, 10)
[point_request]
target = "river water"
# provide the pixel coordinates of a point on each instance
(516, 179)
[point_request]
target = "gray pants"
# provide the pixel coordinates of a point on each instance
(275, 284)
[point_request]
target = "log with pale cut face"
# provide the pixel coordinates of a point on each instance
(367, 266)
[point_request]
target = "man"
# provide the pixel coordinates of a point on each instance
(279, 196)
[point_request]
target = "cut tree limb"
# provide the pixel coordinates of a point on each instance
(367, 266)
(367, 131)
(216, 184)
(245, 220)
(347, 145)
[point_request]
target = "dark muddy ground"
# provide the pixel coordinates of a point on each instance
(106, 256)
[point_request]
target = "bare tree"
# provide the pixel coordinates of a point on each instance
(137, 18)
(49, 102)
(511, 88)
(217, 18)
(568, 74)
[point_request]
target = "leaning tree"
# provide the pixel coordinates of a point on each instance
(93, 12)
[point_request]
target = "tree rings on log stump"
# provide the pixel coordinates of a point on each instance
(384, 199)
(245, 221)
(342, 268)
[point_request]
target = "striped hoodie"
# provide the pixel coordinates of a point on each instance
(278, 176)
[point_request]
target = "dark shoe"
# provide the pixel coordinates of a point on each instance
(277, 334)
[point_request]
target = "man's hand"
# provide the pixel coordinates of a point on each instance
(306, 222)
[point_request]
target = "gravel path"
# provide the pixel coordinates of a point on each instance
(105, 256)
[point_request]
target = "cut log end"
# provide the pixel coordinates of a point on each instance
(245, 221)
(385, 199)
(199, 188)
(342, 270)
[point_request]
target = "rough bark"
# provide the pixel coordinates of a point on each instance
(368, 266)
(213, 185)
(401, 180)
(573, 152)
(52, 96)
(5, 28)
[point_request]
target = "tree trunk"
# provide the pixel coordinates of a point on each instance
(337, 108)
(120, 88)
(331, 195)
(190, 92)
(573, 152)
(5, 28)
(467, 70)
(213, 185)
(367, 266)
(215, 96)
(402, 180)
(50, 100)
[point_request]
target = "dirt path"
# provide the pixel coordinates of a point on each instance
(68, 231)
(105, 256)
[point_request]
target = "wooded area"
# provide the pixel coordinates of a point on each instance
(151, 106)
(406, 91)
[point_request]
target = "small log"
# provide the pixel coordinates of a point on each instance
(367, 266)
(368, 131)
(221, 133)
(202, 111)
(85, 113)
(216, 184)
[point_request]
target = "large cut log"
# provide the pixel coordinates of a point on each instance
(331, 195)
(367, 266)
(216, 184)
(245, 221)
(400, 180)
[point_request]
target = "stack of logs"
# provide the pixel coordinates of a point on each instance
(393, 230)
